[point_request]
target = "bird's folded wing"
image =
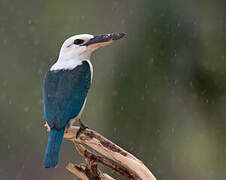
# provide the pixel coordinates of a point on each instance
(64, 94)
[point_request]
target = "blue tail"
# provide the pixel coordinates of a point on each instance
(53, 148)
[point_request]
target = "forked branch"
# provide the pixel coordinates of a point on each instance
(114, 158)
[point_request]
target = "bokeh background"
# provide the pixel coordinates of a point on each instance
(160, 92)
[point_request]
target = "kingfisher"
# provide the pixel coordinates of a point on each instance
(66, 85)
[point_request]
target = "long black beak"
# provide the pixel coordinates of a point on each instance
(104, 38)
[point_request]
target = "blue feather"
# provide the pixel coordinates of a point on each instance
(53, 148)
(64, 94)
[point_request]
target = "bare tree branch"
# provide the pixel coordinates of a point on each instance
(77, 170)
(99, 159)
(85, 172)
(125, 163)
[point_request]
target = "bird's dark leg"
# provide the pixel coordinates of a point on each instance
(82, 127)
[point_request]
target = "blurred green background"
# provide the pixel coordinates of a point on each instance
(160, 92)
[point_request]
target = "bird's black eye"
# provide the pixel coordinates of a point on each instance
(78, 41)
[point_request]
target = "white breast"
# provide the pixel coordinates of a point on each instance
(65, 65)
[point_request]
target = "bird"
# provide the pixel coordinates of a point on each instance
(66, 85)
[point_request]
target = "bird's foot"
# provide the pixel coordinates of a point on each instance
(47, 126)
(82, 127)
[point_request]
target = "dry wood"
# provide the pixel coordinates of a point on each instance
(77, 170)
(84, 173)
(125, 163)
(99, 159)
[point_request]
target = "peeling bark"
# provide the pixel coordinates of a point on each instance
(112, 156)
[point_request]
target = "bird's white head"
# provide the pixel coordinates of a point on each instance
(80, 47)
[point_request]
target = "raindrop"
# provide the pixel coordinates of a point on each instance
(115, 130)
(142, 98)
(2, 29)
(4, 83)
(172, 130)
(123, 21)
(11, 9)
(40, 71)
(10, 101)
(4, 41)
(155, 30)
(151, 60)
(29, 21)
(26, 109)
(36, 42)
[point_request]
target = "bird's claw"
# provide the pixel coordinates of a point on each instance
(82, 127)
(47, 126)
(80, 131)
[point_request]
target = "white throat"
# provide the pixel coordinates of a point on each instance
(70, 64)
(66, 65)
(68, 61)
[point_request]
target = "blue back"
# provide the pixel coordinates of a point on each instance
(64, 94)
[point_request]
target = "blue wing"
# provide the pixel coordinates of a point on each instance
(64, 94)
